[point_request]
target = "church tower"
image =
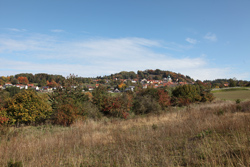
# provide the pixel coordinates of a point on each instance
(169, 78)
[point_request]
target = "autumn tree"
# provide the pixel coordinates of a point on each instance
(23, 80)
(3, 115)
(27, 107)
(122, 86)
(52, 83)
(163, 98)
(118, 106)
(68, 103)
(4, 79)
(1, 82)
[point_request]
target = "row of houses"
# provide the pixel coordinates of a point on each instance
(144, 82)
(22, 86)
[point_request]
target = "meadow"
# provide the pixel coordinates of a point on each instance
(206, 134)
(233, 94)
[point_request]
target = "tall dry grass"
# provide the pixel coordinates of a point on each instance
(212, 134)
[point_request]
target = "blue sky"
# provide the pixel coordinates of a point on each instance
(202, 39)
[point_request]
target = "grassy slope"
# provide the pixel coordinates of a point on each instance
(213, 134)
(233, 94)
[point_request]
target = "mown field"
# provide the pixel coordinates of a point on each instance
(233, 94)
(210, 134)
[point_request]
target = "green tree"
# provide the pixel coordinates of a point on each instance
(14, 81)
(99, 95)
(13, 90)
(42, 83)
(232, 83)
(146, 104)
(189, 92)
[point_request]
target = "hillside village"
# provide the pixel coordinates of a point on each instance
(119, 82)
(124, 85)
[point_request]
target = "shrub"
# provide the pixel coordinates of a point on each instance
(146, 104)
(245, 106)
(192, 93)
(237, 101)
(163, 98)
(66, 109)
(27, 107)
(65, 115)
(68, 103)
(160, 95)
(15, 164)
(91, 111)
(3, 117)
(238, 107)
(219, 113)
(118, 106)
(183, 101)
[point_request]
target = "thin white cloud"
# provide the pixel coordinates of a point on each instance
(16, 29)
(192, 67)
(57, 30)
(95, 57)
(28, 44)
(192, 41)
(211, 37)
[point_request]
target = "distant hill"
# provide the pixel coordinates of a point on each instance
(150, 75)
(42, 79)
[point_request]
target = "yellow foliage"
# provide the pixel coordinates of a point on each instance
(28, 107)
(90, 96)
(122, 85)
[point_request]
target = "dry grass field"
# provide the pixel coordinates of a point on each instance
(210, 134)
(233, 94)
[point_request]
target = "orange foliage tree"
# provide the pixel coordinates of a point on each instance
(118, 106)
(163, 98)
(52, 83)
(122, 85)
(23, 80)
(3, 116)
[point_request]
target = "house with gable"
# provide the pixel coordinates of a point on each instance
(35, 88)
(30, 85)
(130, 88)
(7, 85)
(21, 86)
(145, 86)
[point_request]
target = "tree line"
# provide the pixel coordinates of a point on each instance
(25, 78)
(43, 79)
(66, 105)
